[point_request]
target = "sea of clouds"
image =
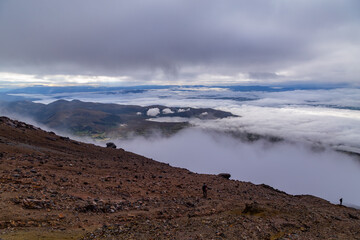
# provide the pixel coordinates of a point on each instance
(326, 117)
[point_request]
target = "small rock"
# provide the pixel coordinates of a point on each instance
(51, 138)
(35, 204)
(64, 179)
(353, 216)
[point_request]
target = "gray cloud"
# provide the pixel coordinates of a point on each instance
(263, 75)
(178, 37)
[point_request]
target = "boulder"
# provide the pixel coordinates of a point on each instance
(252, 208)
(225, 175)
(110, 145)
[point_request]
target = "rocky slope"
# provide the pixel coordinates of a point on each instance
(52, 187)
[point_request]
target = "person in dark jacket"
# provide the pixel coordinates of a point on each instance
(204, 189)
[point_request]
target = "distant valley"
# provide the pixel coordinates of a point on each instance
(102, 121)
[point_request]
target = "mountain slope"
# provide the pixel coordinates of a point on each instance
(55, 188)
(87, 118)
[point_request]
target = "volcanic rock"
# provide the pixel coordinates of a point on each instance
(225, 175)
(110, 145)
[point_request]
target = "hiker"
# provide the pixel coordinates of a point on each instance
(340, 201)
(204, 189)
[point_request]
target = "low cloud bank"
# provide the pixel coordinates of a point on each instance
(294, 168)
(330, 117)
(167, 111)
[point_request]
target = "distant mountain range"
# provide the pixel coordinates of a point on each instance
(246, 88)
(103, 120)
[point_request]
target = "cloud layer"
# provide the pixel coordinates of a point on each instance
(326, 117)
(203, 41)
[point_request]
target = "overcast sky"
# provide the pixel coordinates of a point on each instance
(179, 42)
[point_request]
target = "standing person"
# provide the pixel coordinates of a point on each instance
(340, 201)
(204, 189)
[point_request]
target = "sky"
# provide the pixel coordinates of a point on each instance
(87, 42)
